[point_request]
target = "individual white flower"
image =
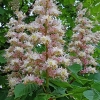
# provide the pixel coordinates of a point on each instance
(58, 29)
(20, 28)
(90, 49)
(34, 25)
(10, 34)
(38, 2)
(82, 31)
(91, 69)
(89, 25)
(54, 11)
(71, 44)
(25, 79)
(76, 28)
(7, 68)
(28, 78)
(93, 62)
(23, 36)
(31, 57)
(67, 62)
(29, 69)
(75, 35)
(58, 51)
(80, 6)
(13, 81)
(20, 14)
(62, 73)
(78, 43)
(38, 9)
(52, 63)
(28, 45)
(87, 39)
(82, 12)
(26, 62)
(7, 54)
(14, 61)
(13, 40)
(71, 49)
(45, 39)
(45, 18)
(19, 49)
(61, 41)
(35, 36)
(36, 56)
(82, 54)
(78, 61)
(12, 22)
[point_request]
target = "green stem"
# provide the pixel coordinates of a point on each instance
(44, 88)
(46, 26)
(62, 95)
(47, 80)
(47, 77)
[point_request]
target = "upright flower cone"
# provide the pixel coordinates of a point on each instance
(15, 54)
(27, 66)
(83, 42)
(48, 30)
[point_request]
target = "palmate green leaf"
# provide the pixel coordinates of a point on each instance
(79, 81)
(92, 95)
(72, 1)
(3, 39)
(60, 83)
(69, 1)
(42, 96)
(2, 59)
(97, 27)
(77, 89)
(10, 98)
(77, 92)
(76, 77)
(75, 68)
(95, 9)
(30, 96)
(87, 3)
(78, 96)
(3, 94)
(3, 80)
(25, 8)
(95, 77)
(59, 91)
(2, 11)
(22, 89)
(96, 86)
(85, 80)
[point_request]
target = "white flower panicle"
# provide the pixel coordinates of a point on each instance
(28, 66)
(83, 42)
(15, 54)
